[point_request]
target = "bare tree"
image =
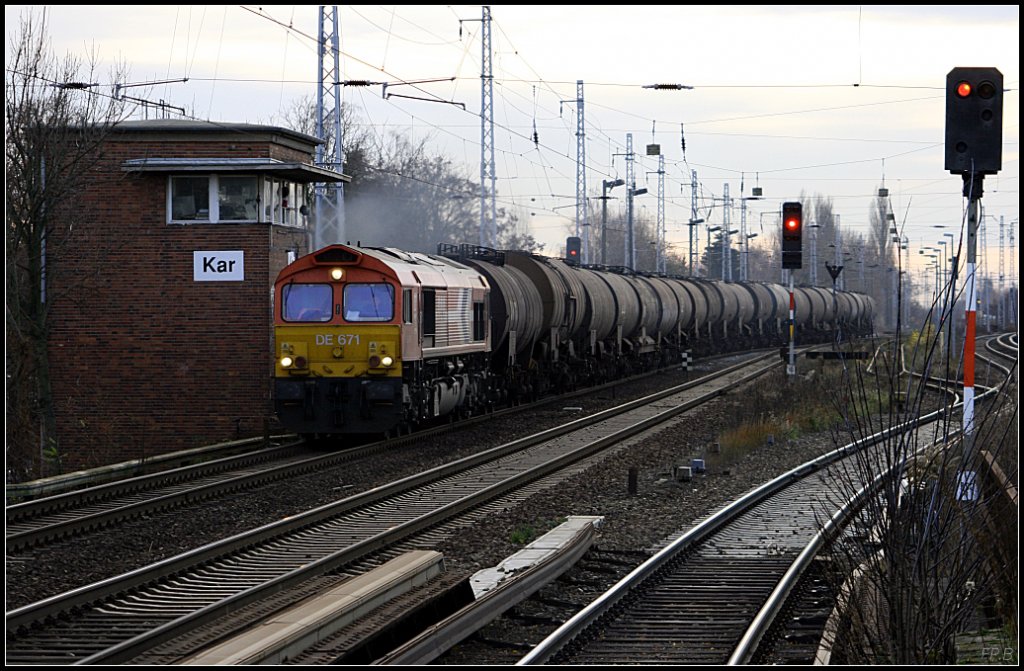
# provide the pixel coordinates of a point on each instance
(933, 553)
(402, 195)
(513, 234)
(55, 124)
(881, 257)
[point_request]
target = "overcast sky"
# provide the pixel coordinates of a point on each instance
(819, 100)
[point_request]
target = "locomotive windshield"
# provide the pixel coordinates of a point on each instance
(369, 302)
(306, 302)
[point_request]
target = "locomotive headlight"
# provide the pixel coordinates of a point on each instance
(386, 361)
(374, 361)
(337, 274)
(286, 362)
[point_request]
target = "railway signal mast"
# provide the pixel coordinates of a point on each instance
(974, 148)
(792, 259)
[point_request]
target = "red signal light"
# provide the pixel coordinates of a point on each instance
(792, 245)
(974, 121)
(573, 246)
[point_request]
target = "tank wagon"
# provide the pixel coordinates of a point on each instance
(378, 340)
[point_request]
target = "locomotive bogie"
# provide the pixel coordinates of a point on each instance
(331, 405)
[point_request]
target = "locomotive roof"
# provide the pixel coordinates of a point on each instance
(410, 268)
(426, 269)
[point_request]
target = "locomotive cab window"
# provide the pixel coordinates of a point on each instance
(369, 302)
(306, 302)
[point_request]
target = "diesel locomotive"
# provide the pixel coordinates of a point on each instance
(372, 340)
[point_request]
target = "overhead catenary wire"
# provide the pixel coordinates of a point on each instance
(554, 160)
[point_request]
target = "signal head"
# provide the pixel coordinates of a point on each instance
(572, 250)
(792, 235)
(974, 121)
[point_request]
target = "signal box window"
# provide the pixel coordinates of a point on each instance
(369, 302)
(281, 202)
(214, 198)
(190, 198)
(306, 302)
(237, 197)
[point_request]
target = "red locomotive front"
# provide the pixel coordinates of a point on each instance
(371, 341)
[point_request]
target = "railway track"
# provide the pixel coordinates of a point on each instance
(705, 598)
(69, 514)
(57, 517)
(711, 596)
(1005, 345)
(117, 619)
(64, 515)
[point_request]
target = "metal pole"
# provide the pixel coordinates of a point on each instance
(969, 317)
(488, 206)
(726, 246)
(604, 222)
(582, 222)
(693, 223)
(791, 366)
(951, 292)
(662, 241)
(629, 258)
(814, 255)
(839, 249)
(835, 318)
(985, 277)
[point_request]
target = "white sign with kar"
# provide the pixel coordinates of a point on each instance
(218, 266)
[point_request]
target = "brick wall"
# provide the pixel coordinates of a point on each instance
(144, 359)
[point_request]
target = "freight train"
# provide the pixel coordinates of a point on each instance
(376, 340)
